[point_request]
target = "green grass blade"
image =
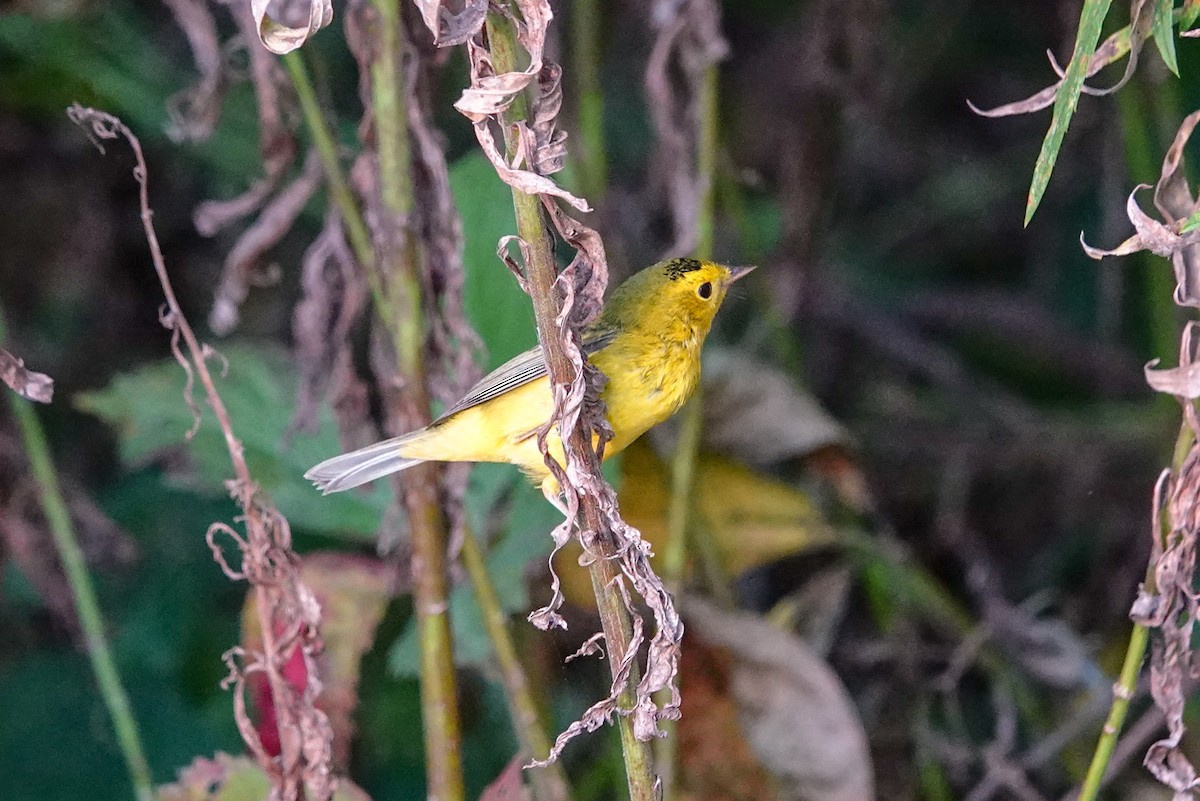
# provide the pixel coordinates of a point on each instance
(1090, 22)
(1164, 33)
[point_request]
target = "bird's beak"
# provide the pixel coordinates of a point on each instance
(737, 272)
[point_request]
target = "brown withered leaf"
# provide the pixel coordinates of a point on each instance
(277, 146)
(1161, 240)
(1171, 608)
(211, 216)
(1182, 381)
(1174, 200)
(246, 255)
(450, 28)
(25, 382)
(797, 717)
(490, 94)
(688, 42)
(334, 295)
(716, 763)
(1172, 196)
(1115, 47)
(284, 25)
(194, 112)
(288, 609)
(586, 498)
(353, 592)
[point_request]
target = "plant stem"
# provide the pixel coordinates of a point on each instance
(1123, 692)
(585, 47)
(542, 273)
(1135, 653)
(549, 783)
(399, 273)
(339, 190)
(84, 593)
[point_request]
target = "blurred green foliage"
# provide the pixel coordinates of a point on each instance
(915, 198)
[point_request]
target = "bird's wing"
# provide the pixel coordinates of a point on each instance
(520, 370)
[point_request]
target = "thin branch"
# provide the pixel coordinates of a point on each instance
(606, 576)
(549, 782)
(339, 190)
(84, 595)
(288, 613)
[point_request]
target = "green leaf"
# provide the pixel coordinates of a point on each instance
(526, 538)
(500, 311)
(1191, 223)
(1189, 14)
(1164, 33)
(1090, 22)
(148, 412)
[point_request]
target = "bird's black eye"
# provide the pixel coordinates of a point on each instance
(705, 290)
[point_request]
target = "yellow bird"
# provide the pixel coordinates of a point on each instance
(646, 341)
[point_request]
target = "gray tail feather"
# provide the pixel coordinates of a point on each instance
(358, 467)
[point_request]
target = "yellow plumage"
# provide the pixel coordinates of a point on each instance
(647, 342)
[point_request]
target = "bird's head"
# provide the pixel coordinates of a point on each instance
(675, 292)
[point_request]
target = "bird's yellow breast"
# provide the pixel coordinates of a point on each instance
(648, 380)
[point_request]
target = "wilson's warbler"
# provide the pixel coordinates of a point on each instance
(646, 341)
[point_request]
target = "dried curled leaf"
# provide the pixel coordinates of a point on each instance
(1179, 237)
(194, 112)
(688, 42)
(578, 413)
(451, 28)
(245, 256)
(23, 381)
(541, 152)
(292, 24)
(334, 296)
(1118, 45)
(277, 146)
(353, 592)
(1182, 381)
(1172, 609)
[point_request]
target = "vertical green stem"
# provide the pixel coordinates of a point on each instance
(339, 190)
(1135, 653)
(585, 47)
(86, 605)
(399, 274)
(683, 462)
(1164, 334)
(1122, 694)
(542, 272)
(549, 783)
